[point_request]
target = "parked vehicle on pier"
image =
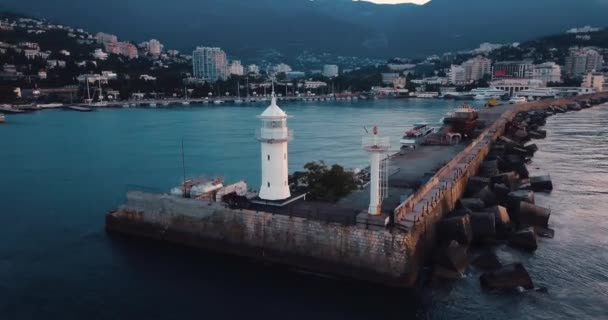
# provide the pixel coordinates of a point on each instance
(415, 135)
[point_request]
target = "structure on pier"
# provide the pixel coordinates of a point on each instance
(274, 137)
(378, 148)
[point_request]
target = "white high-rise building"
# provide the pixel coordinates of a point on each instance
(330, 70)
(274, 137)
(236, 68)
(209, 64)
(548, 72)
(582, 61)
(155, 47)
(476, 68)
(457, 75)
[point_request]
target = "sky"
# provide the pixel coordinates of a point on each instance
(398, 1)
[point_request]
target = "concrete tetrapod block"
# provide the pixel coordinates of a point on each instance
(475, 184)
(541, 183)
(501, 219)
(487, 196)
(508, 277)
(455, 228)
(483, 225)
(533, 215)
(473, 204)
(538, 134)
(521, 170)
(524, 239)
(501, 192)
(453, 257)
(531, 149)
(508, 178)
(489, 168)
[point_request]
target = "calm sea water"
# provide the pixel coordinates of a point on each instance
(61, 171)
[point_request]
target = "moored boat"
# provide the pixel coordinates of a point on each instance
(2, 118)
(518, 100)
(414, 136)
(462, 120)
(80, 108)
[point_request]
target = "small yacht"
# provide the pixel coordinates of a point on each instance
(2, 118)
(185, 103)
(518, 100)
(218, 101)
(152, 105)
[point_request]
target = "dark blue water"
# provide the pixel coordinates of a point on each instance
(61, 171)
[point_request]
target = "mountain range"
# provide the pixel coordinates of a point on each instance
(343, 27)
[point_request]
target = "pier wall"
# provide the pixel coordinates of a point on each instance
(373, 255)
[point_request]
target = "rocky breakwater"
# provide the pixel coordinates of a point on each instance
(498, 206)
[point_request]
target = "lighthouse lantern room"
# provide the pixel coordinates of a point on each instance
(274, 137)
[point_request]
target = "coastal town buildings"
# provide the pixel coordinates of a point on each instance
(209, 63)
(514, 85)
(512, 69)
(581, 61)
(154, 47)
(126, 49)
(548, 72)
(457, 75)
(476, 68)
(594, 80)
(236, 68)
(252, 68)
(102, 37)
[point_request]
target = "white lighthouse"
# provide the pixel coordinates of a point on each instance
(377, 147)
(274, 137)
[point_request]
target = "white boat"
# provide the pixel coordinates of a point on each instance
(238, 101)
(185, 103)
(414, 136)
(518, 100)
(2, 118)
(488, 93)
(152, 105)
(218, 101)
(126, 105)
(49, 105)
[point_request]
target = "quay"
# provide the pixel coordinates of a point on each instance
(340, 239)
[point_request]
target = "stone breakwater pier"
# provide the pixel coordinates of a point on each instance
(342, 239)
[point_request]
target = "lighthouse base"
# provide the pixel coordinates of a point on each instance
(279, 203)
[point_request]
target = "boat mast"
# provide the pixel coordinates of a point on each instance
(88, 90)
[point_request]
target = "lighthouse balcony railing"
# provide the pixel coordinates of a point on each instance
(274, 135)
(375, 143)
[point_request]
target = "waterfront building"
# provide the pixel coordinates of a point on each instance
(236, 68)
(548, 72)
(173, 53)
(101, 37)
(330, 70)
(514, 85)
(457, 75)
(154, 47)
(594, 80)
(512, 69)
(209, 63)
(476, 68)
(274, 137)
(314, 84)
(581, 61)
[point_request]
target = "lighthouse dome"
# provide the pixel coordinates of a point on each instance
(273, 111)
